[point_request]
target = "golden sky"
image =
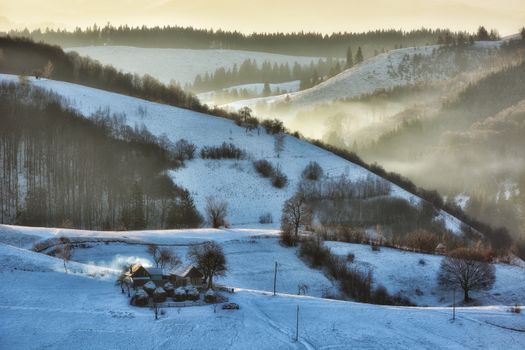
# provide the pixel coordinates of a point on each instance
(326, 16)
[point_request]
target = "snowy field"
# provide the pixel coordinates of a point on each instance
(248, 195)
(181, 65)
(44, 308)
(414, 275)
(366, 77)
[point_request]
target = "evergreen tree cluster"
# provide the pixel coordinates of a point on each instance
(297, 43)
(249, 71)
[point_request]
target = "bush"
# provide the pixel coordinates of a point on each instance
(273, 127)
(263, 167)
(226, 150)
(421, 240)
(516, 309)
(279, 179)
(312, 172)
(350, 257)
(266, 218)
(314, 252)
(184, 150)
(422, 262)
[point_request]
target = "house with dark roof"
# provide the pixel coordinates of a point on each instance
(189, 275)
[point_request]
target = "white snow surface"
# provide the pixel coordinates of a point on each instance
(235, 181)
(43, 307)
(414, 275)
(181, 65)
(255, 88)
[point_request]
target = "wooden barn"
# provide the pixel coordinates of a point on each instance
(189, 275)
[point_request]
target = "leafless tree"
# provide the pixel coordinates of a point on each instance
(64, 250)
(216, 211)
(209, 259)
(48, 70)
(168, 259)
(466, 269)
(295, 215)
(278, 143)
(163, 257)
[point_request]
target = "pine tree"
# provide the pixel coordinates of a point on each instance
(359, 55)
(267, 91)
(349, 57)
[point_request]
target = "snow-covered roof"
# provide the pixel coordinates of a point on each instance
(188, 271)
(155, 270)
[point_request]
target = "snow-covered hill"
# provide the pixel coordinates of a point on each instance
(387, 70)
(248, 195)
(181, 65)
(43, 307)
(255, 89)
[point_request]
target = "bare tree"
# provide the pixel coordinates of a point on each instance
(168, 259)
(64, 250)
(123, 280)
(466, 269)
(48, 70)
(163, 257)
(216, 211)
(278, 144)
(154, 251)
(295, 215)
(209, 259)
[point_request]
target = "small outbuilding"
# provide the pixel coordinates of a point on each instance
(441, 248)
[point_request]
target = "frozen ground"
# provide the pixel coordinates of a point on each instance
(414, 275)
(181, 65)
(248, 195)
(44, 308)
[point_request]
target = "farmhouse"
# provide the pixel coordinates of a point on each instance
(140, 275)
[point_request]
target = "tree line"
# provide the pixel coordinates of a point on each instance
(249, 72)
(60, 169)
(296, 43)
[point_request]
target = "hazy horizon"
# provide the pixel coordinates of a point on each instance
(506, 16)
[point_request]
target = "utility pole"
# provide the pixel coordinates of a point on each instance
(274, 277)
(297, 325)
(454, 305)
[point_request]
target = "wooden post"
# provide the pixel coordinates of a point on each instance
(297, 325)
(274, 278)
(454, 305)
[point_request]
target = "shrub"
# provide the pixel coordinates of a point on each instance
(314, 252)
(226, 150)
(421, 240)
(350, 257)
(279, 179)
(184, 150)
(422, 262)
(273, 127)
(313, 172)
(263, 167)
(516, 309)
(266, 218)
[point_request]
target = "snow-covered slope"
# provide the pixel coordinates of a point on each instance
(248, 195)
(181, 65)
(255, 89)
(42, 307)
(414, 275)
(384, 71)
